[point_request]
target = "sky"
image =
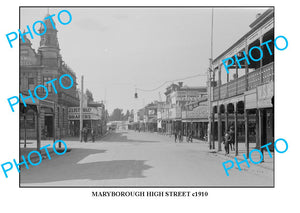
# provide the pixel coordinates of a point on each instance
(120, 49)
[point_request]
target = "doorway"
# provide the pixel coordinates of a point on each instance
(268, 127)
(49, 125)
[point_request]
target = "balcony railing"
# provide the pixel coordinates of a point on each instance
(238, 86)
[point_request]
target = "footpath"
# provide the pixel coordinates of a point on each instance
(266, 166)
(31, 145)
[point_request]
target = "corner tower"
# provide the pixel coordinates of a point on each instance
(49, 47)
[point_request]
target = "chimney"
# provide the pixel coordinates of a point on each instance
(180, 84)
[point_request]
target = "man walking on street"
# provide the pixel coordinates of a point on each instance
(85, 134)
(93, 135)
(191, 136)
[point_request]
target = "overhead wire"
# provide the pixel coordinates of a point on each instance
(180, 79)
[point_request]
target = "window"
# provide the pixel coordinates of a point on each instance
(30, 121)
(224, 75)
(31, 83)
(48, 86)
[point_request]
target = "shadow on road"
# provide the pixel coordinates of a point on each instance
(66, 167)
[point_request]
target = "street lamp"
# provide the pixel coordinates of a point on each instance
(135, 94)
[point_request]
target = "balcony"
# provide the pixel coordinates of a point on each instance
(238, 86)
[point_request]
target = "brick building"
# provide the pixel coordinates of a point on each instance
(36, 68)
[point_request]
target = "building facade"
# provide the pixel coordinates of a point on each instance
(177, 97)
(48, 117)
(195, 119)
(94, 118)
(244, 97)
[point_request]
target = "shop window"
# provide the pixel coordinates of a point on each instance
(30, 121)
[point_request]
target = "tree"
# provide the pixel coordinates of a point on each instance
(89, 95)
(126, 116)
(116, 115)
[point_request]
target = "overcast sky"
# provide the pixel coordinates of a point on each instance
(118, 49)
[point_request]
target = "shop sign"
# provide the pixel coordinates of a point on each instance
(84, 110)
(88, 113)
(76, 116)
(264, 95)
(250, 101)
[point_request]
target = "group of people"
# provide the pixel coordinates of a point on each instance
(85, 133)
(229, 140)
(178, 135)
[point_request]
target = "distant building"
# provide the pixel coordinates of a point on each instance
(151, 117)
(195, 118)
(177, 96)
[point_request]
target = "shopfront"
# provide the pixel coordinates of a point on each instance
(91, 120)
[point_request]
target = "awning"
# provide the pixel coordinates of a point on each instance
(152, 120)
(195, 120)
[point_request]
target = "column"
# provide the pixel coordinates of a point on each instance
(246, 133)
(246, 66)
(219, 130)
(257, 129)
(186, 128)
(226, 120)
(261, 62)
(25, 135)
(38, 129)
(54, 122)
(260, 114)
(213, 130)
(235, 131)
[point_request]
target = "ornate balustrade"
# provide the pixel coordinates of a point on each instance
(238, 86)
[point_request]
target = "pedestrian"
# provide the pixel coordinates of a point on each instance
(85, 134)
(179, 136)
(175, 134)
(187, 136)
(191, 136)
(226, 143)
(93, 135)
(231, 138)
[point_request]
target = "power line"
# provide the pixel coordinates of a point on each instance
(181, 79)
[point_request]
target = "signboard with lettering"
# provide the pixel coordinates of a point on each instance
(89, 113)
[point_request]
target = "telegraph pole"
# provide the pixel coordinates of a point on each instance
(209, 133)
(81, 106)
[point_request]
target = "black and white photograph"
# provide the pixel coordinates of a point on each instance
(146, 96)
(149, 106)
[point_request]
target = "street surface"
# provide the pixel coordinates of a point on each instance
(141, 159)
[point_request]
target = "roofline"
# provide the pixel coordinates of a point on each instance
(260, 18)
(267, 15)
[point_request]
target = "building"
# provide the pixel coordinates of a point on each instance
(48, 117)
(177, 97)
(94, 117)
(244, 98)
(151, 116)
(195, 118)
